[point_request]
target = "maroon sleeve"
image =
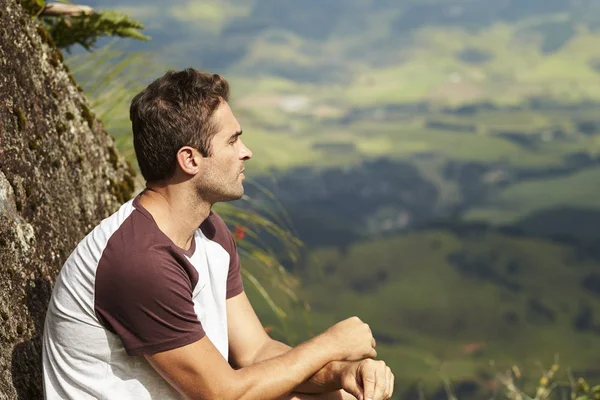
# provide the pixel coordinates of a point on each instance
(234, 277)
(216, 230)
(144, 295)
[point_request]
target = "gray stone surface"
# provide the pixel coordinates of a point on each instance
(59, 176)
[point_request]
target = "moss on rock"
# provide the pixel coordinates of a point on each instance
(87, 115)
(21, 120)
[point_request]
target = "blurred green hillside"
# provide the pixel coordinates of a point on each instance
(361, 52)
(444, 303)
(439, 158)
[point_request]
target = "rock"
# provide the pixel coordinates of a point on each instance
(59, 176)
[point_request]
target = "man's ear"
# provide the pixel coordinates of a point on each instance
(189, 160)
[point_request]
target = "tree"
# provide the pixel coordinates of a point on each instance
(60, 174)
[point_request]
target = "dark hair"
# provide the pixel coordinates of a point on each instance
(174, 111)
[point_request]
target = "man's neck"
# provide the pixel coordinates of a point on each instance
(176, 212)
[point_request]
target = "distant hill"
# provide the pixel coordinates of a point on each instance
(386, 51)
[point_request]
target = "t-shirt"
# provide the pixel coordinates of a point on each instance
(128, 290)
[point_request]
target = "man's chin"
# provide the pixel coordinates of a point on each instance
(233, 195)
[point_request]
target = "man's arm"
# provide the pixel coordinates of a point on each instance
(362, 379)
(199, 371)
(327, 379)
(249, 344)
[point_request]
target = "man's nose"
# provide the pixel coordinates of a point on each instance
(246, 153)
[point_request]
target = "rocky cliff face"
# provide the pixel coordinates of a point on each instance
(59, 176)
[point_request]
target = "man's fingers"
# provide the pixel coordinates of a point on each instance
(380, 385)
(390, 383)
(354, 390)
(373, 343)
(368, 381)
(372, 354)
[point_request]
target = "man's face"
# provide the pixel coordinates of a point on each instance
(222, 172)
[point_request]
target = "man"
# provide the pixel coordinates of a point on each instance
(151, 305)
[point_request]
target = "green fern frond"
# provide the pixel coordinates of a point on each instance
(68, 30)
(86, 29)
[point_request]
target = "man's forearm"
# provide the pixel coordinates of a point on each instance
(325, 380)
(271, 348)
(304, 358)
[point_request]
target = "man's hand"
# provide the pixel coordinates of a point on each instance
(368, 379)
(353, 338)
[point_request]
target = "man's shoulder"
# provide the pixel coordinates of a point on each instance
(130, 237)
(142, 254)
